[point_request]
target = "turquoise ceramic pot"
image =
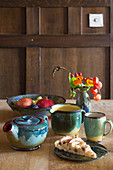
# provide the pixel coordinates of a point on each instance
(66, 119)
(26, 132)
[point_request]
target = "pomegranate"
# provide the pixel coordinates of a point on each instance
(43, 103)
(24, 102)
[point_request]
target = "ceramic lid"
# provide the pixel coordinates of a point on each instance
(30, 123)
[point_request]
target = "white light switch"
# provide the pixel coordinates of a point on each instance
(96, 20)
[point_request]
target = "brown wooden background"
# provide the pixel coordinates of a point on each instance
(38, 35)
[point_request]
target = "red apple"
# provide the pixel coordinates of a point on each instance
(44, 103)
(24, 102)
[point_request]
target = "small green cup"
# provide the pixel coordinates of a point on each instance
(95, 126)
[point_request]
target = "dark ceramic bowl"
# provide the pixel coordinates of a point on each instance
(31, 111)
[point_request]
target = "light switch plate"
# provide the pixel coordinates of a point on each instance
(96, 20)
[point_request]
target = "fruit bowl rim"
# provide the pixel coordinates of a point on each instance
(10, 99)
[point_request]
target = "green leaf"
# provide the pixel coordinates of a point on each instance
(71, 82)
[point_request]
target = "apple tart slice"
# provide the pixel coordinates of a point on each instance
(75, 145)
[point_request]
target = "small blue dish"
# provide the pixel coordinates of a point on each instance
(32, 111)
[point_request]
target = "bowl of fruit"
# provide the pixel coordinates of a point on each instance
(30, 104)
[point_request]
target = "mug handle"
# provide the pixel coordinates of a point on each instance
(111, 127)
(83, 113)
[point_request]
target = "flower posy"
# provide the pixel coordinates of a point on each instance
(77, 81)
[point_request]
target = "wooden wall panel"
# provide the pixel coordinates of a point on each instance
(32, 20)
(51, 58)
(54, 3)
(53, 20)
(33, 56)
(111, 51)
(96, 62)
(54, 33)
(12, 20)
(89, 61)
(85, 20)
(33, 70)
(74, 20)
(12, 72)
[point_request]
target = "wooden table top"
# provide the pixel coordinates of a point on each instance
(45, 158)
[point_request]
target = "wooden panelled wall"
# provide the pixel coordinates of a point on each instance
(38, 35)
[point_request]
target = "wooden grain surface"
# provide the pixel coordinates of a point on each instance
(55, 3)
(74, 20)
(12, 20)
(33, 70)
(85, 22)
(12, 72)
(32, 20)
(50, 41)
(47, 33)
(85, 60)
(45, 158)
(53, 21)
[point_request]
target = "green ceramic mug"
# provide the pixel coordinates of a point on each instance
(95, 126)
(66, 119)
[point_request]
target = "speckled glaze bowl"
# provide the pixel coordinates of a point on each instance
(31, 111)
(26, 132)
(66, 119)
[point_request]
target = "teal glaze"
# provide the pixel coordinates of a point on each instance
(92, 126)
(31, 111)
(27, 132)
(95, 126)
(66, 122)
(83, 99)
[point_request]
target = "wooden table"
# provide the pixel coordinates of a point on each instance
(45, 158)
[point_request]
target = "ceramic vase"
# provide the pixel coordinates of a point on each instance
(83, 99)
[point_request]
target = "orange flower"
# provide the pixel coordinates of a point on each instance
(78, 80)
(79, 77)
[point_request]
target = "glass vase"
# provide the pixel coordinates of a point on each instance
(83, 99)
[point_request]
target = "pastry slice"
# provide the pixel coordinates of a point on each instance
(75, 145)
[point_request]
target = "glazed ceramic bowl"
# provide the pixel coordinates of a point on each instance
(66, 119)
(31, 111)
(26, 132)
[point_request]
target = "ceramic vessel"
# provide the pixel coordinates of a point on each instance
(95, 126)
(83, 99)
(31, 111)
(66, 119)
(26, 132)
